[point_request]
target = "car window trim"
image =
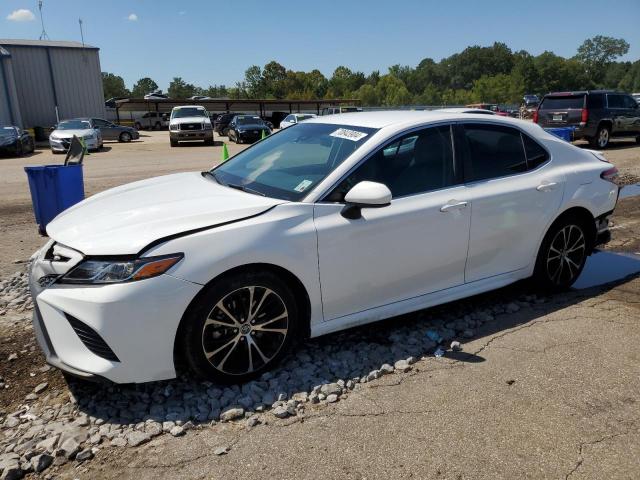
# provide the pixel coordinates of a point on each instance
(522, 132)
(451, 124)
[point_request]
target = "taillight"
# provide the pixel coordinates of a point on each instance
(535, 116)
(585, 115)
(610, 175)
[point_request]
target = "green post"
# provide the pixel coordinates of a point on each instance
(225, 152)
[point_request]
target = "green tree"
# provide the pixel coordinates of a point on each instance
(392, 92)
(631, 80)
(178, 88)
(113, 86)
(598, 52)
(274, 76)
(368, 95)
(143, 86)
(499, 88)
(255, 84)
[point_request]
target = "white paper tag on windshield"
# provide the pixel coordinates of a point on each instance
(302, 186)
(347, 134)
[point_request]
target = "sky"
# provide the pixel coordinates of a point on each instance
(213, 42)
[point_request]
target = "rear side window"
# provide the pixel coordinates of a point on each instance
(494, 151)
(595, 100)
(615, 101)
(536, 155)
(563, 103)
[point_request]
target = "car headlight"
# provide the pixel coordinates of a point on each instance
(98, 272)
(174, 127)
(53, 137)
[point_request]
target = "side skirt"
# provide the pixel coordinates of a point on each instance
(418, 303)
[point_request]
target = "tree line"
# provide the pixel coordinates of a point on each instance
(493, 74)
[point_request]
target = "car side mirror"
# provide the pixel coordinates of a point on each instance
(365, 194)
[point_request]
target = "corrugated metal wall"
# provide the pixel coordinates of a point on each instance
(5, 112)
(77, 79)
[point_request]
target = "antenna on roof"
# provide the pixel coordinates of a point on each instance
(43, 35)
(81, 33)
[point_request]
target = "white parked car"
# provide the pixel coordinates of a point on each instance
(83, 128)
(190, 122)
(338, 222)
(294, 118)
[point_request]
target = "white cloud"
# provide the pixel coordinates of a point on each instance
(132, 17)
(21, 15)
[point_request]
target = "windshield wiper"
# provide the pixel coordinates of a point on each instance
(245, 189)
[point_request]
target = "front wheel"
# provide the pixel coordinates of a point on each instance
(239, 327)
(562, 255)
(125, 137)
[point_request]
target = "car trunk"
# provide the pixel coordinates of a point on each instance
(561, 110)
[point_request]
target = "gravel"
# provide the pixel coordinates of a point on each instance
(52, 429)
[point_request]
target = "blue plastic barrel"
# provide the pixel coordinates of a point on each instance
(565, 133)
(54, 188)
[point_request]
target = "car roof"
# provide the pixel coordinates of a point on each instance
(466, 110)
(177, 107)
(381, 119)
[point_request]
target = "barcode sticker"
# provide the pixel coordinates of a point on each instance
(347, 134)
(302, 186)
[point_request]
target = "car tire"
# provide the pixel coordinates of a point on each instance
(174, 143)
(602, 137)
(224, 340)
(125, 137)
(562, 255)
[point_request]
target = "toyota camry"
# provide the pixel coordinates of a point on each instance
(335, 222)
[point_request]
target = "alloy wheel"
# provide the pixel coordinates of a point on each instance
(603, 138)
(245, 330)
(125, 137)
(566, 255)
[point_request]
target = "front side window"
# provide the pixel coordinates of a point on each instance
(416, 163)
(629, 102)
(100, 123)
(494, 151)
(289, 164)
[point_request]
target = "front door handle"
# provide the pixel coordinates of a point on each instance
(546, 187)
(453, 205)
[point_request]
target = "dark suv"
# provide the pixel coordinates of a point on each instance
(597, 115)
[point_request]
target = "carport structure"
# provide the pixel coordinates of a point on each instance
(227, 105)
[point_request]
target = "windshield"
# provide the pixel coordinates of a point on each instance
(188, 112)
(74, 125)
(248, 120)
(289, 164)
(7, 132)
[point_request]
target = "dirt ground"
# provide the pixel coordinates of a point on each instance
(548, 392)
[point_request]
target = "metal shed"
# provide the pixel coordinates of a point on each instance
(42, 82)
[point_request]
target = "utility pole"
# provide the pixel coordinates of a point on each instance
(43, 35)
(81, 32)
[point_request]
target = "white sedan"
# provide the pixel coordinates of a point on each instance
(341, 221)
(83, 128)
(295, 118)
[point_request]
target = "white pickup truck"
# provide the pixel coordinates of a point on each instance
(190, 122)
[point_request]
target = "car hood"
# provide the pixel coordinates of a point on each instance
(7, 140)
(71, 133)
(124, 220)
(190, 120)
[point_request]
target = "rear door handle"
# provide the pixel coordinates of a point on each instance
(453, 205)
(546, 187)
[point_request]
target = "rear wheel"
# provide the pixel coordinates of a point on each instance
(603, 135)
(125, 137)
(240, 327)
(562, 255)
